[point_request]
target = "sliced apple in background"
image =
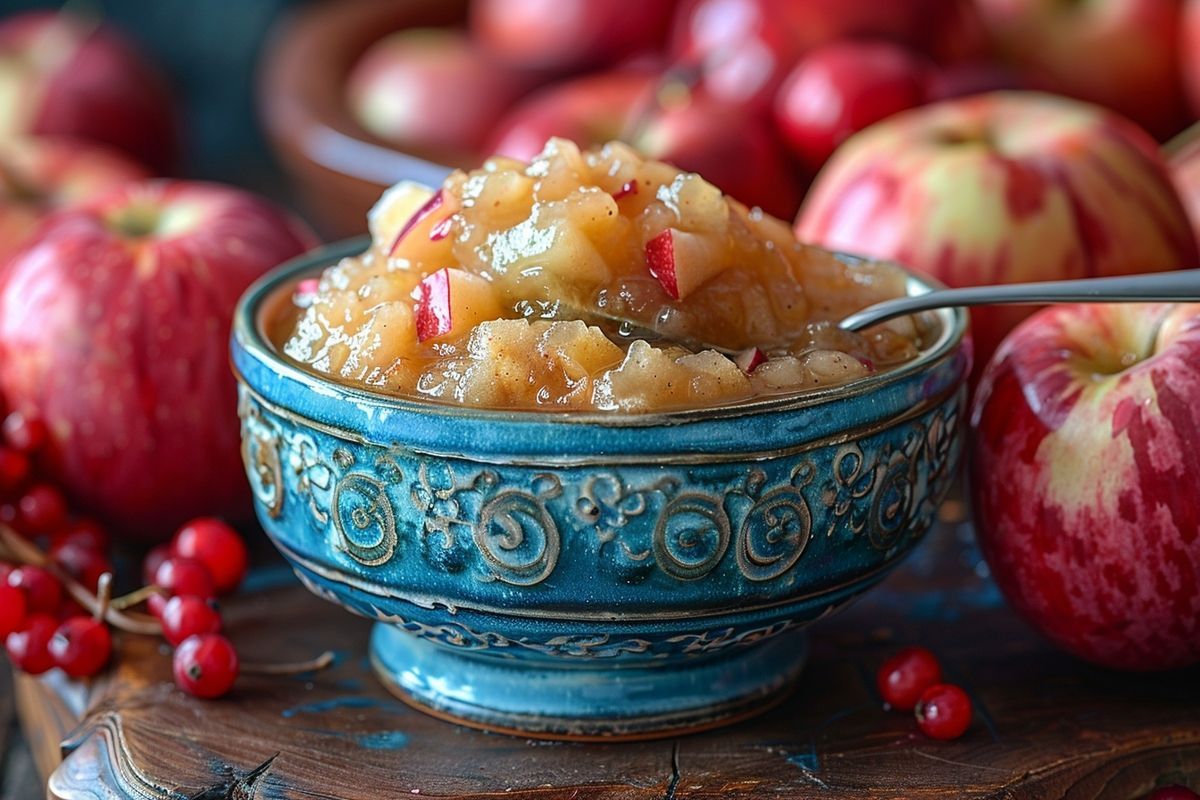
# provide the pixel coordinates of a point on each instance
(451, 302)
(682, 261)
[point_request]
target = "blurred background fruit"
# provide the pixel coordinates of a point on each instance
(1003, 188)
(68, 75)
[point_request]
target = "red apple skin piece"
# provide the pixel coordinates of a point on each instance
(431, 89)
(842, 87)
(750, 360)
(681, 261)
(39, 174)
(119, 343)
(1002, 188)
(569, 34)
(77, 79)
(1123, 54)
(1084, 477)
(420, 215)
(450, 302)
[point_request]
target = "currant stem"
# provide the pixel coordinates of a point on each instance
(294, 668)
(136, 596)
(18, 549)
(103, 596)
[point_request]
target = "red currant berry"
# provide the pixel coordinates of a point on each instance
(205, 665)
(186, 615)
(70, 608)
(28, 645)
(12, 609)
(42, 509)
(179, 575)
(944, 711)
(81, 646)
(85, 532)
(42, 590)
(1175, 792)
(5, 570)
(14, 470)
(155, 557)
(81, 563)
(216, 545)
(155, 604)
(903, 677)
(24, 433)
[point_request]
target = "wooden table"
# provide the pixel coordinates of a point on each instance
(1046, 726)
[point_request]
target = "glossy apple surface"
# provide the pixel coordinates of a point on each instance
(589, 110)
(1123, 54)
(1084, 478)
(1189, 53)
(64, 75)
(114, 323)
(840, 88)
(41, 174)
(569, 34)
(1002, 188)
(432, 89)
(744, 48)
(735, 150)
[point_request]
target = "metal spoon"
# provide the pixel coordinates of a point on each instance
(1181, 286)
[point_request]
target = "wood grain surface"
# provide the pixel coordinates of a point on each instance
(1046, 725)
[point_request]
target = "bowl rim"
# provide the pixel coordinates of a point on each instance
(249, 335)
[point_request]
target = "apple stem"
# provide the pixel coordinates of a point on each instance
(13, 547)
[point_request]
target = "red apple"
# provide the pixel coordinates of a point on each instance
(1189, 52)
(1084, 476)
(589, 110)
(431, 89)
(744, 48)
(41, 174)
(731, 148)
(114, 321)
(569, 34)
(842, 87)
(1002, 188)
(968, 78)
(1185, 170)
(1123, 54)
(65, 75)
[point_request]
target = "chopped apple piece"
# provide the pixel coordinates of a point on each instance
(451, 302)
(749, 359)
(395, 208)
(682, 261)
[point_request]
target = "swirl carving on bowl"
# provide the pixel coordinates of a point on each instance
(380, 504)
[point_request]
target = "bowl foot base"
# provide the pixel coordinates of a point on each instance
(598, 700)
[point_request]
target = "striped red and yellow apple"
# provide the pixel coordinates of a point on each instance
(1086, 479)
(1002, 188)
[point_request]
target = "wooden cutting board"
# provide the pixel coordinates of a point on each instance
(1046, 726)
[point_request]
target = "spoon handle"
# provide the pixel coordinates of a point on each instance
(1182, 285)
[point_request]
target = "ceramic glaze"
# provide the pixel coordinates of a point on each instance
(593, 575)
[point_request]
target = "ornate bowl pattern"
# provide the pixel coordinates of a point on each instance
(592, 575)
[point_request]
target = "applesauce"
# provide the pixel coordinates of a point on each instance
(593, 280)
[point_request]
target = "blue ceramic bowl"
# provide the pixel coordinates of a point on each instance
(592, 575)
